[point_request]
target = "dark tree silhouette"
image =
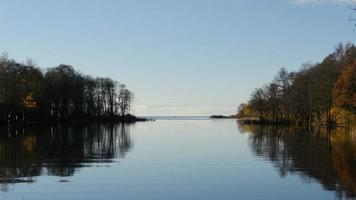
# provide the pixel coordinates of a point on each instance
(59, 94)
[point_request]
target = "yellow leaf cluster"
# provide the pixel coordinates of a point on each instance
(29, 101)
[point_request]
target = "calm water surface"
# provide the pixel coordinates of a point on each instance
(177, 159)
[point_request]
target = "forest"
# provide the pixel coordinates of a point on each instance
(321, 93)
(59, 94)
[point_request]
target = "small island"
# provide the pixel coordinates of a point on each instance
(222, 117)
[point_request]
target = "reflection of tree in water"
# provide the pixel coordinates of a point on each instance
(327, 156)
(58, 150)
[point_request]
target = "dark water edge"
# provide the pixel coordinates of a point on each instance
(325, 155)
(58, 150)
(102, 120)
(255, 121)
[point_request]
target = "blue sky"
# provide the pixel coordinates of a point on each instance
(179, 57)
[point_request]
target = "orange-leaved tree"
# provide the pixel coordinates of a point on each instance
(344, 93)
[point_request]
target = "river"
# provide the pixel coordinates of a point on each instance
(179, 158)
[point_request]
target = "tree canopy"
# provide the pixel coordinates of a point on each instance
(345, 88)
(29, 93)
(310, 94)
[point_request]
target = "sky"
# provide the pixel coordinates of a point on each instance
(179, 57)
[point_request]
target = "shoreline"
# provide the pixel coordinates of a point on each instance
(110, 120)
(255, 121)
(222, 117)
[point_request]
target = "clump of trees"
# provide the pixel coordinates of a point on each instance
(59, 94)
(317, 93)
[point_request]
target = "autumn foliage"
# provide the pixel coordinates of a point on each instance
(344, 93)
(321, 93)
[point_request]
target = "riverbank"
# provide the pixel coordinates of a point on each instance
(256, 121)
(109, 119)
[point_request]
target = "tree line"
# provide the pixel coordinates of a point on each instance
(323, 93)
(59, 94)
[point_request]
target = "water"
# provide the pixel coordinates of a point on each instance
(185, 118)
(176, 159)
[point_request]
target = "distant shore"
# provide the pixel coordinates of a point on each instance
(222, 117)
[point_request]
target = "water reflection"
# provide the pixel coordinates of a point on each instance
(58, 150)
(325, 156)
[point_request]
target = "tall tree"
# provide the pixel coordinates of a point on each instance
(344, 93)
